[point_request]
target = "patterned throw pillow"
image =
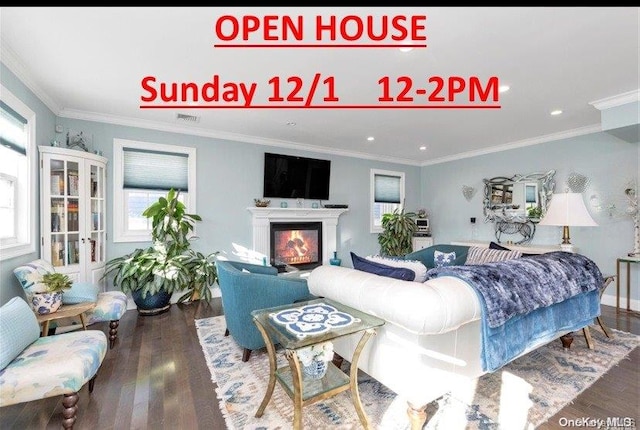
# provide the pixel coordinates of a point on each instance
(361, 263)
(479, 255)
(416, 266)
(441, 259)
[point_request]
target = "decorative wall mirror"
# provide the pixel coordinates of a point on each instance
(515, 204)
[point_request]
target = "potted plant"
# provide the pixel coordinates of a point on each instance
(151, 275)
(47, 292)
(398, 228)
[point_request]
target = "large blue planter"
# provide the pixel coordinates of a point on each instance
(152, 304)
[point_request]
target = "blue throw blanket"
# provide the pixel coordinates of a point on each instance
(528, 300)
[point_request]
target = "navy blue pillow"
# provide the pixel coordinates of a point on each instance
(365, 265)
(494, 245)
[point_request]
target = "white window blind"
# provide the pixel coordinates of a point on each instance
(13, 129)
(142, 167)
(387, 189)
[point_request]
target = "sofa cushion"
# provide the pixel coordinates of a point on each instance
(479, 255)
(80, 292)
(441, 259)
(19, 328)
(419, 269)
(362, 264)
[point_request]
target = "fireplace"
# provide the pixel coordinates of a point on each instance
(297, 244)
(262, 218)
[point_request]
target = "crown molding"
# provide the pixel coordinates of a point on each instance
(617, 100)
(519, 144)
(17, 67)
(201, 132)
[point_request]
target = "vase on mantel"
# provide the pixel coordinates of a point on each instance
(335, 261)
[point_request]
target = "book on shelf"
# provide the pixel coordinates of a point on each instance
(57, 184)
(73, 183)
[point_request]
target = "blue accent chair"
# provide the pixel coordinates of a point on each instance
(257, 287)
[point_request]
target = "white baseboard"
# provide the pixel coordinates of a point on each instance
(610, 300)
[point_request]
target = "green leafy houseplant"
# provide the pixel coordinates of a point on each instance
(169, 265)
(51, 283)
(398, 228)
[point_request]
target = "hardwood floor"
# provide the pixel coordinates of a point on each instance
(156, 378)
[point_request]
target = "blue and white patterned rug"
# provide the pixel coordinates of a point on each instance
(521, 395)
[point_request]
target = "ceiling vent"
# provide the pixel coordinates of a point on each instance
(187, 118)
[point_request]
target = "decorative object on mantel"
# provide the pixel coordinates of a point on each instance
(283, 204)
(468, 192)
(566, 210)
(421, 213)
(335, 261)
(262, 203)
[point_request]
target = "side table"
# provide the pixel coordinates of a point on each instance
(65, 311)
(628, 261)
(292, 326)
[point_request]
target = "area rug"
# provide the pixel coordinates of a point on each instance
(522, 395)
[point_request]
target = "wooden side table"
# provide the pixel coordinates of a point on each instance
(65, 311)
(628, 261)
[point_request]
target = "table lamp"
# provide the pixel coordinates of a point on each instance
(567, 210)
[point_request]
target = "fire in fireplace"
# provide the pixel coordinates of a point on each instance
(297, 244)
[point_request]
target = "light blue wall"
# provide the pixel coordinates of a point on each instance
(45, 121)
(607, 161)
(230, 176)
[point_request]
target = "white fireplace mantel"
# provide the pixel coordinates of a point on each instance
(263, 217)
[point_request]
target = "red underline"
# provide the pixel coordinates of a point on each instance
(316, 45)
(380, 106)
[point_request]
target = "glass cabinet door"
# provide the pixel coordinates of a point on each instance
(97, 229)
(64, 211)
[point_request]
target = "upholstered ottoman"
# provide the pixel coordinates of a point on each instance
(34, 367)
(110, 306)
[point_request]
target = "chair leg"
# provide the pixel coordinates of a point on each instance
(70, 404)
(92, 382)
(113, 332)
(245, 354)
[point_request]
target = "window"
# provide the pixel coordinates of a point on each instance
(17, 177)
(387, 194)
(143, 172)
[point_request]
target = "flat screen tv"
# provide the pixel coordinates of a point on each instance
(291, 177)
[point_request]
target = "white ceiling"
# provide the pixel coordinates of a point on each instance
(88, 63)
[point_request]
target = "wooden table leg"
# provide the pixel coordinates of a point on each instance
(84, 323)
(628, 286)
(618, 285)
(45, 328)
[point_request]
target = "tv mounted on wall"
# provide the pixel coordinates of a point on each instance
(291, 177)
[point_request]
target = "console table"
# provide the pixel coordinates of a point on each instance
(628, 261)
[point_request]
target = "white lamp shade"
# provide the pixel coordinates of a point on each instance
(567, 209)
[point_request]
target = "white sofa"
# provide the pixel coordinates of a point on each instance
(430, 342)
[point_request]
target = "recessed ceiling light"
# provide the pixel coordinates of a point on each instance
(407, 49)
(291, 124)
(503, 88)
(371, 138)
(423, 148)
(556, 112)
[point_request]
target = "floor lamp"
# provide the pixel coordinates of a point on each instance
(567, 210)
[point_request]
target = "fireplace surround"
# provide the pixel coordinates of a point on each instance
(263, 217)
